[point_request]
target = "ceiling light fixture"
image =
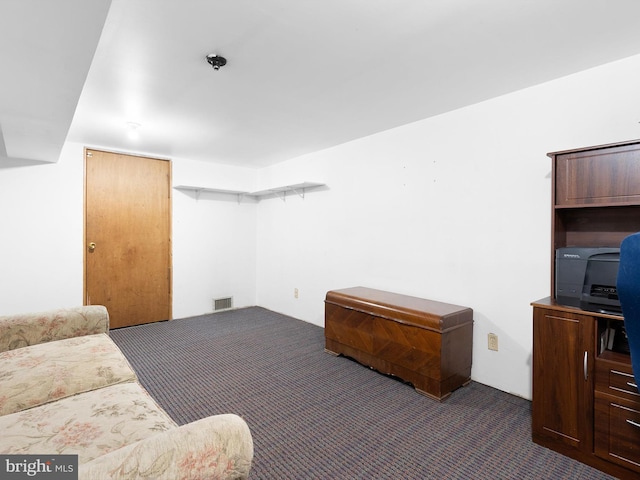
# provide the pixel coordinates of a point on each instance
(216, 61)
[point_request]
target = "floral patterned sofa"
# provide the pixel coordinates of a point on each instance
(66, 388)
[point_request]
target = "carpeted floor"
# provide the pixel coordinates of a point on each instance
(316, 416)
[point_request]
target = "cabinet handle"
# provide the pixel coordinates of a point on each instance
(632, 385)
(635, 424)
(586, 355)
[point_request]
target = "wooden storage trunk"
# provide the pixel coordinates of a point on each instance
(423, 342)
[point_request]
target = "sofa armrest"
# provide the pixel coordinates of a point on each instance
(26, 329)
(217, 447)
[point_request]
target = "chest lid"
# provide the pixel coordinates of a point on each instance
(418, 312)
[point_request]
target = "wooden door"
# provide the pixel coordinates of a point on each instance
(128, 237)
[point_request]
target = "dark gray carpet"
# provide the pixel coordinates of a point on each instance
(316, 416)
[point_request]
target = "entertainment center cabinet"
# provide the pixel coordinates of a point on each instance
(585, 402)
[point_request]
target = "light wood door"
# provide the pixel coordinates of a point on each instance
(128, 237)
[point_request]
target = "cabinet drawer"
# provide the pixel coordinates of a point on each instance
(623, 382)
(617, 435)
(616, 378)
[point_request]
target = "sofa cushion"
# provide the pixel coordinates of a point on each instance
(90, 424)
(43, 373)
(17, 331)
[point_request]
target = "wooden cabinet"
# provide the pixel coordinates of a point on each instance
(595, 197)
(423, 342)
(584, 402)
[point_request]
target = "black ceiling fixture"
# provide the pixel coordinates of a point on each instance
(216, 61)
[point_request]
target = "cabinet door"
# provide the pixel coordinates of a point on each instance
(598, 177)
(563, 348)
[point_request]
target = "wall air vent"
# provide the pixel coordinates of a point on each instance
(225, 303)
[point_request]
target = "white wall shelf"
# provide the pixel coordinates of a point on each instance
(198, 190)
(280, 192)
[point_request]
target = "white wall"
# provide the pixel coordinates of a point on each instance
(41, 234)
(454, 208)
(41, 241)
(214, 238)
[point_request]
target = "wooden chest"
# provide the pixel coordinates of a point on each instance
(425, 343)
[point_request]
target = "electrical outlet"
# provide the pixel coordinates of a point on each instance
(493, 341)
(295, 293)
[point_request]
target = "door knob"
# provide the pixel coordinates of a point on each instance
(92, 247)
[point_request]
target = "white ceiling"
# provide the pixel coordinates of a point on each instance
(301, 75)
(46, 49)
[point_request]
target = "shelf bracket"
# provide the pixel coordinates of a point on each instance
(300, 193)
(282, 197)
